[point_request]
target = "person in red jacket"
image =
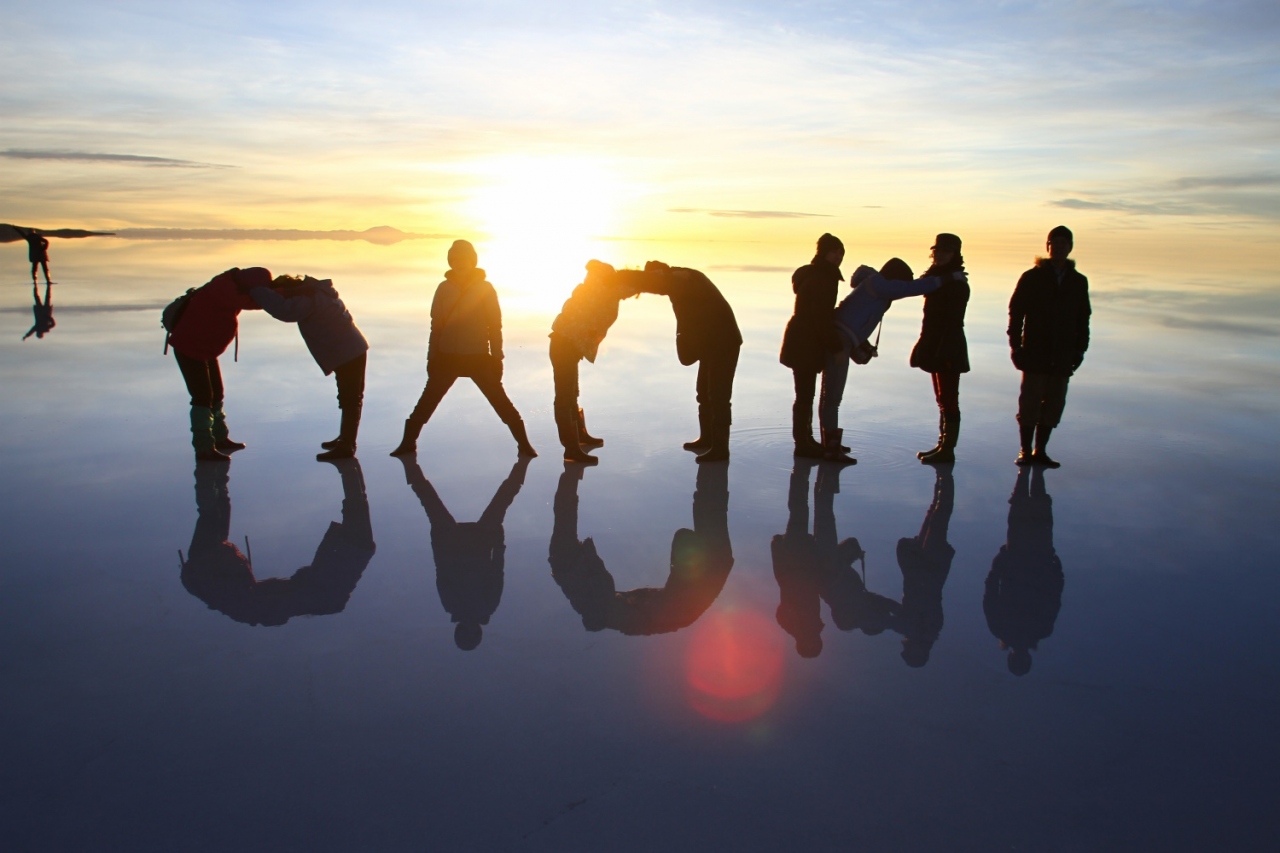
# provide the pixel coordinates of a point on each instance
(203, 332)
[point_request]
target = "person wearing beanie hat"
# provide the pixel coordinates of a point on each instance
(810, 342)
(942, 351)
(1048, 337)
(466, 340)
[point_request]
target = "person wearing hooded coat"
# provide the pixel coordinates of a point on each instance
(810, 343)
(334, 341)
(942, 350)
(466, 340)
(925, 561)
(208, 325)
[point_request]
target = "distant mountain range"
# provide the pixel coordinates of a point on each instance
(382, 235)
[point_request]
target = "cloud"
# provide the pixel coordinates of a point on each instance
(90, 157)
(748, 214)
(1263, 179)
(382, 235)
(748, 268)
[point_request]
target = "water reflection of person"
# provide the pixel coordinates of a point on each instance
(701, 560)
(1024, 589)
(468, 555)
(925, 561)
(43, 312)
(216, 572)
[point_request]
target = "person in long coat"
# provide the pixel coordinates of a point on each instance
(925, 560)
(706, 333)
(1048, 336)
(810, 343)
(37, 251)
(466, 340)
(942, 350)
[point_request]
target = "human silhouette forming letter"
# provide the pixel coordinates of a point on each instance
(219, 574)
(37, 251)
(43, 312)
(942, 351)
(925, 561)
(468, 555)
(1024, 589)
(701, 560)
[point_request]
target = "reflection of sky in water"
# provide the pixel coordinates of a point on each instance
(136, 717)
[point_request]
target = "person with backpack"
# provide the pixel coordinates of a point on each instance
(942, 350)
(200, 325)
(466, 340)
(334, 341)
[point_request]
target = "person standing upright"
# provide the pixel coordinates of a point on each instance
(942, 350)
(1048, 337)
(37, 251)
(466, 340)
(810, 342)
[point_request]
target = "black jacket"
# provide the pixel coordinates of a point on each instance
(704, 319)
(811, 333)
(942, 347)
(1049, 321)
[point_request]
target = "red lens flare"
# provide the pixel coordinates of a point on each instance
(733, 667)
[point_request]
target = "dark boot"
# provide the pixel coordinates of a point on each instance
(703, 442)
(567, 427)
(221, 438)
(831, 448)
(718, 447)
(202, 436)
(345, 445)
(523, 447)
(585, 438)
(950, 435)
(1026, 434)
(802, 433)
(409, 444)
(942, 421)
(1039, 456)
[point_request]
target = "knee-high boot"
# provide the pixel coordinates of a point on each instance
(523, 447)
(345, 445)
(409, 443)
(946, 452)
(567, 427)
(942, 431)
(802, 432)
(202, 436)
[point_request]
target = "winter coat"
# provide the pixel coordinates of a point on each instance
(704, 319)
(324, 322)
(209, 323)
(942, 347)
(861, 311)
(810, 334)
(586, 316)
(37, 247)
(465, 316)
(1049, 320)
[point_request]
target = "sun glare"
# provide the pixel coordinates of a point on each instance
(734, 666)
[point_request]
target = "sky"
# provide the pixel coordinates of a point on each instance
(545, 128)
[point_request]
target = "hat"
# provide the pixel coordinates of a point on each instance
(947, 242)
(462, 255)
(1062, 232)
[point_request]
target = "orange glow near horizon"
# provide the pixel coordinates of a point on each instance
(734, 666)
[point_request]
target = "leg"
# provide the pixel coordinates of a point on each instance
(1053, 402)
(834, 378)
(934, 379)
(564, 373)
(1030, 398)
(802, 415)
(221, 435)
(34, 266)
(198, 377)
(44, 266)
(947, 387)
(489, 382)
(439, 380)
(350, 380)
(715, 373)
(703, 441)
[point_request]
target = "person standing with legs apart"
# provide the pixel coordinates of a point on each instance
(207, 325)
(37, 251)
(810, 343)
(334, 341)
(466, 340)
(942, 350)
(1048, 337)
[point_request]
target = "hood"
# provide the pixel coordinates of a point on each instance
(1045, 262)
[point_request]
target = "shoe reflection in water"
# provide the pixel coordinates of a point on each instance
(468, 555)
(701, 559)
(217, 573)
(1024, 588)
(925, 562)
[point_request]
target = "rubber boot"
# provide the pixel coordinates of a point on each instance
(523, 447)
(942, 430)
(1039, 456)
(345, 445)
(950, 435)
(1026, 434)
(567, 427)
(802, 433)
(202, 436)
(409, 444)
(718, 450)
(221, 438)
(831, 448)
(585, 438)
(703, 441)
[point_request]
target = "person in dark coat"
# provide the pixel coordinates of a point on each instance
(701, 560)
(468, 555)
(942, 350)
(203, 332)
(37, 251)
(810, 342)
(219, 574)
(1048, 337)
(706, 333)
(466, 340)
(334, 341)
(925, 561)
(1024, 589)
(43, 312)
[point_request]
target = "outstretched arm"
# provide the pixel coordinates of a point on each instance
(289, 309)
(437, 512)
(506, 494)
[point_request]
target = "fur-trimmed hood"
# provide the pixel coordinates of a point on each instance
(1045, 262)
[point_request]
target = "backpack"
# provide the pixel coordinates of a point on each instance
(172, 313)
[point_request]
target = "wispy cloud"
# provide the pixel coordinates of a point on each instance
(382, 235)
(748, 214)
(94, 157)
(747, 268)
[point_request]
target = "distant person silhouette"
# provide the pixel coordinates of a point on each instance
(334, 341)
(706, 333)
(43, 312)
(701, 560)
(576, 333)
(468, 555)
(219, 574)
(925, 561)
(1048, 337)
(37, 251)
(942, 351)
(203, 332)
(466, 340)
(857, 316)
(1024, 589)
(810, 343)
